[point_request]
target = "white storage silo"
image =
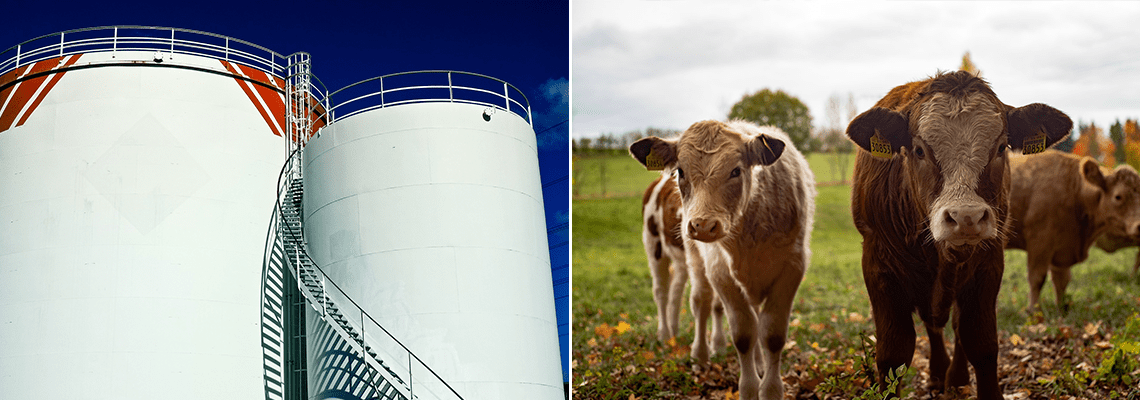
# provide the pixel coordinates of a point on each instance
(429, 215)
(137, 171)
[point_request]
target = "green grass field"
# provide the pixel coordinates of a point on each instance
(616, 353)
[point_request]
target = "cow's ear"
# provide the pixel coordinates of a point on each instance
(763, 150)
(1035, 127)
(654, 153)
(880, 131)
(1091, 172)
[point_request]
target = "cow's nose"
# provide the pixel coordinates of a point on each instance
(704, 229)
(1134, 230)
(967, 220)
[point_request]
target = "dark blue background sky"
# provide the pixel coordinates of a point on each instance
(526, 43)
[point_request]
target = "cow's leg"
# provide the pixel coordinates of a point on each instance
(700, 302)
(774, 329)
(1061, 277)
(659, 268)
(894, 328)
(742, 323)
(939, 360)
(758, 354)
(1037, 268)
(679, 275)
(718, 341)
(978, 335)
(959, 372)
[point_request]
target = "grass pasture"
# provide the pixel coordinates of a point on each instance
(1090, 352)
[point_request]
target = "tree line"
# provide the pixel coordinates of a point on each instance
(1120, 146)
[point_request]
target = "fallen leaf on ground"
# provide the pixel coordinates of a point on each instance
(1016, 340)
(604, 330)
(1092, 329)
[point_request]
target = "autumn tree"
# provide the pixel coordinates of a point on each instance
(1094, 144)
(1132, 143)
(779, 109)
(1116, 133)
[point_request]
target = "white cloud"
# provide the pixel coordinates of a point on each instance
(668, 64)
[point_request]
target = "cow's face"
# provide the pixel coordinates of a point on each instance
(713, 167)
(953, 143)
(1119, 197)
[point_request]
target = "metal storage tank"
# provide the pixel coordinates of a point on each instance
(423, 201)
(137, 170)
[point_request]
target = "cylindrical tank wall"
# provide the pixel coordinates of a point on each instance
(431, 218)
(133, 211)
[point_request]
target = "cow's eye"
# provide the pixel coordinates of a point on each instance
(680, 174)
(1119, 197)
(735, 172)
(918, 152)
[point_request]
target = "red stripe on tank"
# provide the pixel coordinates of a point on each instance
(67, 62)
(253, 97)
(22, 93)
(272, 98)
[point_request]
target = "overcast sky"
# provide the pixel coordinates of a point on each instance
(668, 64)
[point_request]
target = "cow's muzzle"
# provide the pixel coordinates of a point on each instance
(705, 229)
(967, 224)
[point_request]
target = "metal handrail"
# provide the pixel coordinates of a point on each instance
(171, 41)
(284, 180)
(199, 43)
(509, 97)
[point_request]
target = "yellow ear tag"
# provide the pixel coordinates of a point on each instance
(653, 162)
(879, 147)
(1034, 144)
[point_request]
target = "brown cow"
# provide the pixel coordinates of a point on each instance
(1059, 204)
(671, 267)
(747, 207)
(930, 197)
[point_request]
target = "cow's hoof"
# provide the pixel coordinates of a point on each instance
(700, 353)
(935, 385)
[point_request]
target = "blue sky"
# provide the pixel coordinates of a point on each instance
(525, 43)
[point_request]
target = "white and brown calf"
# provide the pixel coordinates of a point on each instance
(747, 207)
(671, 267)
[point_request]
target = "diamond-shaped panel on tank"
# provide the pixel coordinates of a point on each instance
(146, 174)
